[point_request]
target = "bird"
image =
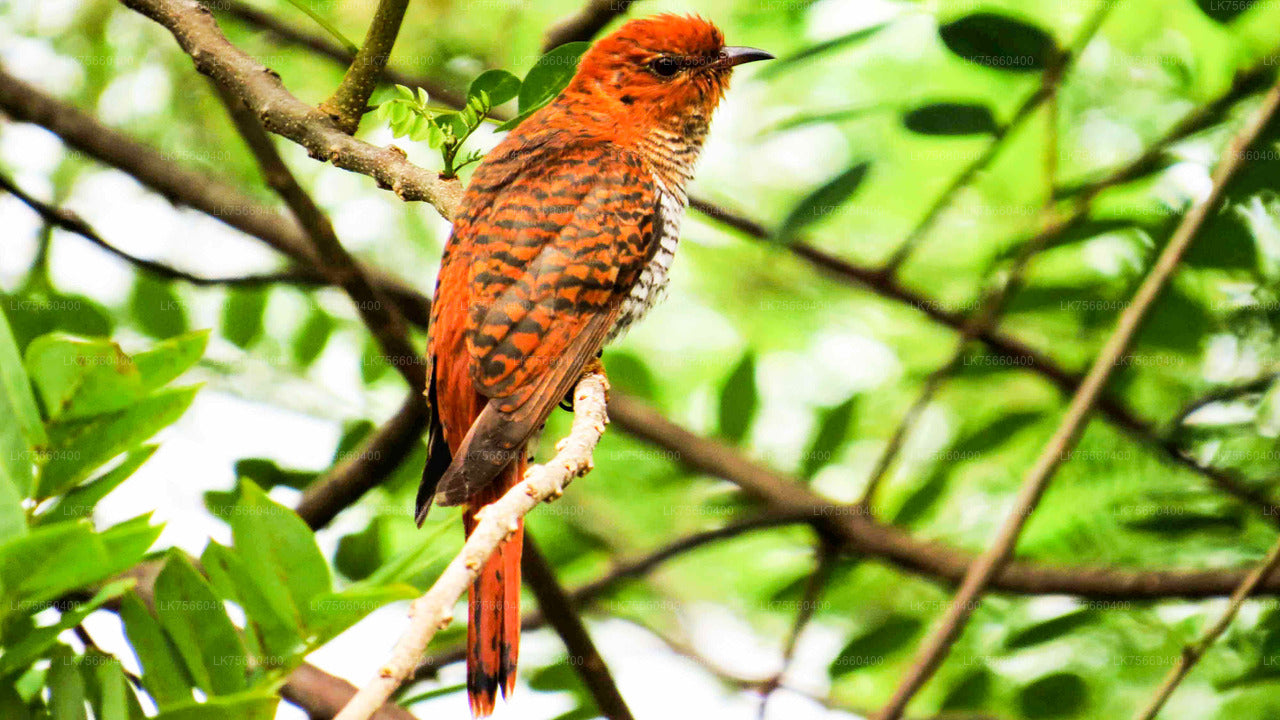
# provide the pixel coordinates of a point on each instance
(562, 241)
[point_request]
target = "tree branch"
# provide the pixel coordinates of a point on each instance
(586, 23)
(155, 170)
(495, 522)
(193, 26)
(1192, 653)
(351, 99)
(381, 318)
(982, 572)
(560, 612)
(73, 223)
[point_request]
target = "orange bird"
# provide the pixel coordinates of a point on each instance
(562, 241)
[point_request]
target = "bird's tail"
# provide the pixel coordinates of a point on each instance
(493, 630)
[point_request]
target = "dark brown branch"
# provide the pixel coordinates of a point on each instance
(351, 99)
(155, 170)
(586, 23)
(380, 316)
(322, 695)
(197, 33)
(861, 535)
(73, 223)
(562, 615)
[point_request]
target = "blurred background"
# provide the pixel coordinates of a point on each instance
(901, 167)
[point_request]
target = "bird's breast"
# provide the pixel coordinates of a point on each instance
(652, 284)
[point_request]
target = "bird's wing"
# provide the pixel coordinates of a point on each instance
(552, 258)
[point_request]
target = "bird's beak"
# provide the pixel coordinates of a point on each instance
(731, 56)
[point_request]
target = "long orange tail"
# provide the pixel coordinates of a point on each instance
(493, 633)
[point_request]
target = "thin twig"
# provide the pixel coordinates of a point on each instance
(825, 553)
(495, 522)
(561, 614)
(982, 572)
(1191, 654)
(1046, 90)
(351, 98)
(73, 223)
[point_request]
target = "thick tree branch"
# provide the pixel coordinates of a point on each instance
(350, 100)
(280, 112)
(496, 521)
(985, 569)
(560, 612)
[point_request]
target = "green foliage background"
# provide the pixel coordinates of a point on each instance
(844, 143)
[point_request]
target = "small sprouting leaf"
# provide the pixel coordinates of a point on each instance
(1055, 695)
(946, 118)
(405, 92)
(823, 201)
(875, 645)
(419, 129)
(499, 85)
(739, 398)
(422, 98)
(999, 41)
(1224, 11)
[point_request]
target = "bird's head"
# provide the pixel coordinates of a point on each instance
(661, 68)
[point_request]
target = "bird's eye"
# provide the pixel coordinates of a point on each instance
(664, 66)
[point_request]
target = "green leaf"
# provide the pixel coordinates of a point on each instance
(500, 85)
(1224, 11)
(1051, 629)
(829, 439)
(999, 41)
(32, 314)
(739, 399)
(1055, 695)
(242, 315)
(125, 543)
(195, 619)
(978, 442)
(163, 674)
(66, 687)
(79, 378)
(331, 614)
(546, 79)
(875, 645)
(311, 338)
(79, 446)
(405, 92)
(823, 201)
(12, 706)
(856, 37)
(80, 502)
(267, 474)
(242, 706)
(946, 118)
(165, 361)
(922, 499)
(970, 693)
(109, 691)
(52, 561)
(270, 614)
(278, 548)
(156, 308)
(17, 656)
(21, 434)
